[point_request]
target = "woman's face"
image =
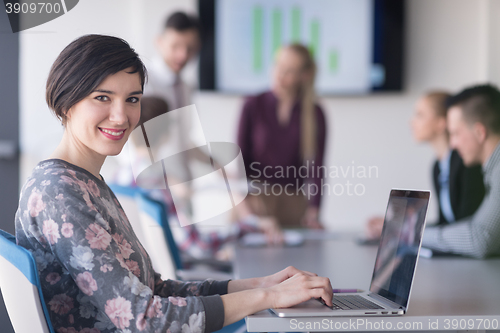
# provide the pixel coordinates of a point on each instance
(288, 71)
(425, 124)
(102, 121)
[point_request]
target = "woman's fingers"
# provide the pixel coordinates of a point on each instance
(293, 271)
(283, 275)
(302, 287)
(323, 283)
(309, 273)
(322, 294)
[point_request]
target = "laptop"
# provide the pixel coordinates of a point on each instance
(394, 269)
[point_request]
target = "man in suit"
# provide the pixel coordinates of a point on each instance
(465, 188)
(473, 122)
(458, 189)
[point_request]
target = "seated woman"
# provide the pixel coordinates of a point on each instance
(95, 275)
(282, 136)
(459, 189)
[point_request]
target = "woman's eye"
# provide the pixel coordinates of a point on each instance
(133, 99)
(102, 98)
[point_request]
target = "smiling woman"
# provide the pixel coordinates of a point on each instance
(95, 275)
(101, 122)
(94, 88)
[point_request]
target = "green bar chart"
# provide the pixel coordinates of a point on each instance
(276, 30)
(257, 39)
(314, 41)
(337, 33)
(333, 61)
(273, 21)
(296, 25)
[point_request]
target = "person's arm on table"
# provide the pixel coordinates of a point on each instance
(283, 289)
(477, 236)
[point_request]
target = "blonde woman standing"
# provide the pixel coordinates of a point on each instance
(282, 136)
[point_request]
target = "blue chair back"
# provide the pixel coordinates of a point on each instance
(158, 211)
(127, 197)
(21, 288)
(124, 190)
(238, 327)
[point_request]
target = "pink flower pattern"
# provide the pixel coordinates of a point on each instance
(106, 268)
(53, 278)
(30, 182)
(120, 259)
(86, 283)
(67, 229)
(179, 301)
(154, 309)
(51, 231)
(98, 237)
(119, 311)
(140, 322)
(89, 237)
(125, 247)
(35, 203)
(94, 190)
(61, 304)
(133, 266)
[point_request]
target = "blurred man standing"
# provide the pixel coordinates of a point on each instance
(177, 45)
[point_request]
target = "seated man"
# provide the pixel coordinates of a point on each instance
(474, 126)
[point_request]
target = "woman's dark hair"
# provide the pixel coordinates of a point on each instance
(83, 65)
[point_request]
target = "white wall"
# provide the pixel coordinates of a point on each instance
(450, 44)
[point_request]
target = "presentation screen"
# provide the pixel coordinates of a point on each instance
(357, 44)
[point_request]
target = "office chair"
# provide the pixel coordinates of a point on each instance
(149, 221)
(21, 288)
(237, 327)
(165, 254)
(148, 231)
(22, 294)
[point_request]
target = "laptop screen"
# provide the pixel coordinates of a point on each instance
(399, 245)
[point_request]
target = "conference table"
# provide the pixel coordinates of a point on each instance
(448, 294)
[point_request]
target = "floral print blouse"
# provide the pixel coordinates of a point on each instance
(96, 277)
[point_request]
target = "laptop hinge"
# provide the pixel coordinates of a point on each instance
(384, 300)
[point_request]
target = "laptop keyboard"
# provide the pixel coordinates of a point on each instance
(351, 302)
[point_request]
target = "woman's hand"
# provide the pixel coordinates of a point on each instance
(299, 288)
(286, 288)
(311, 218)
(374, 227)
(266, 281)
(285, 274)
